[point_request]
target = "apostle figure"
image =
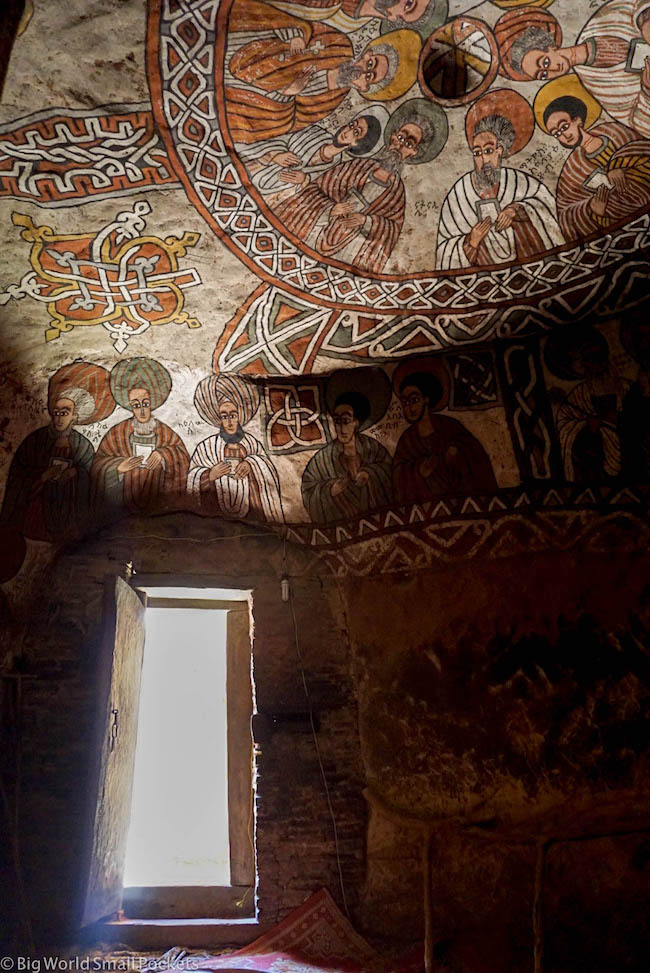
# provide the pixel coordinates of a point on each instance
(47, 491)
(279, 165)
(606, 178)
(350, 15)
(436, 456)
(352, 474)
(284, 74)
(229, 474)
(610, 55)
(355, 210)
(141, 464)
(495, 214)
(588, 418)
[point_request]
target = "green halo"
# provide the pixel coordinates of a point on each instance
(433, 114)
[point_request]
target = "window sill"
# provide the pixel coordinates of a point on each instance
(164, 933)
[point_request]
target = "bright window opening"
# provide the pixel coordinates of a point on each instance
(178, 833)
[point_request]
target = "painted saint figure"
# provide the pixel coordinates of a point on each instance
(47, 491)
(229, 474)
(610, 55)
(436, 456)
(284, 74)
(588, 418)
(606, 178)
(352, 474)
(495, 214)
(355, 211)
(279, 165)
(140, 462)
(350, 15)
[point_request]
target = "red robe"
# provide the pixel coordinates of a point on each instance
(140, 489)
(622, 149)
(462, 466)
(385, 215)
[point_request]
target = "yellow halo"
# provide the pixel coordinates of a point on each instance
(407, 44)
(513, 4)
(570, 85)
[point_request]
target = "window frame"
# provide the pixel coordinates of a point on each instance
(237, 900)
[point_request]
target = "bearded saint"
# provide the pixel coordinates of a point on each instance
(47, 489)
(229, 474)
(283, 74)
(525, 224)
(140, 462)
(530, 45)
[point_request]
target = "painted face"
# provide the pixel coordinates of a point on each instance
(413, 403)
(374, 68)
(345, 423)
(229, 417)
(352, 133)
(542, 65)
(63, 414)
(406, 140)
(140, 401)
(487, 152)
(568, 131)
(407, 10)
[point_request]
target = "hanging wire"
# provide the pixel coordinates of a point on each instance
(316, 745)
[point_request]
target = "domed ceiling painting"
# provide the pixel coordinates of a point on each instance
(370, 273)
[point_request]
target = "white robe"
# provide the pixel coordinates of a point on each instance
(459, 214)
(305, 144)
(233, 495)
(618, 91)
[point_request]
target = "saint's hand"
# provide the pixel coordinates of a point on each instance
(285, 159)
(131, 463)
(342, 209)
(51, 473)
(297, 45)
(339, 486)
(353, 220)
(243, 470)
(645, 76)
(427, 467)
(301, 81)
(618, 180)
(154, 460)
(506, 218)
(218, 470)
(294, 177)
(479, 232)
(362, 478)
(67, 474)
(598, 204)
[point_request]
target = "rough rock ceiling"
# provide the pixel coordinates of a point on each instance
(373, 275)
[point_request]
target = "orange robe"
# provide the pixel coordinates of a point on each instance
(267, 66)
(140, 489)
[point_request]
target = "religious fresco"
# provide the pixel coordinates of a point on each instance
(438, 212)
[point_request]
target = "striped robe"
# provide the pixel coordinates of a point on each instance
(534, 230)
(384, 216)
(573, 420)
(257, 495)
(260, 66)
(574, 212)
(305, 144)
(611, 29)
(140, 489)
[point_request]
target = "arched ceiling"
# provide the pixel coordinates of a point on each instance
(371, 274)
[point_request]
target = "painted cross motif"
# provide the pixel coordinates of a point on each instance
(118, 278)
(294, 420)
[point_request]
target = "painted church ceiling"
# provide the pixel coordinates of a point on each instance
(372, 274)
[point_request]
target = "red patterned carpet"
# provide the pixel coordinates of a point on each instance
(315, 938)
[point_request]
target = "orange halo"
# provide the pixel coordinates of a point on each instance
(508, 104)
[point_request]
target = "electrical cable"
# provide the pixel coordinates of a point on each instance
(318, 754)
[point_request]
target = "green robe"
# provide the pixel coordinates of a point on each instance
(327, 466)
